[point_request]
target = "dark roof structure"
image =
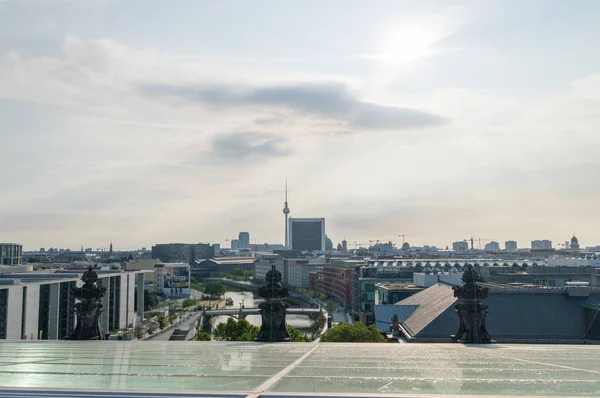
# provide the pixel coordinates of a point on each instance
(515, 314)
(385, 312)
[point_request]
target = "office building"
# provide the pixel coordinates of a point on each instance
(307, 234)
(41, 305)
(216, 247)
(182, 252)
(335, 283)
(492, 247)
(216, 267)
(460, 246)
(541, 244)
(244, 239)
(235, 244)
(11, 254)
(510, 246)
(173, 279)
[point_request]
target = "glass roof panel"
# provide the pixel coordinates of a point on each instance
(312, 369)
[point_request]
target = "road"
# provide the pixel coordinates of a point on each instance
(187, 324)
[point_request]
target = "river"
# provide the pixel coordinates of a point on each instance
(301, 322)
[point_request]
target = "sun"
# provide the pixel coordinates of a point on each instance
(404, 45)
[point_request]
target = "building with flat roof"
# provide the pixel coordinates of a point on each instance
(543, 244)
(307, 234)
(492, 246)
(460, 246)
(215, 267)
(11, 254)
(510, 245)
(335, 283)
(41, 305)
(182, 252)
(244, 239)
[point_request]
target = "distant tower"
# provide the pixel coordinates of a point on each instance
(110, 249)
(286, 211)
(574, 243)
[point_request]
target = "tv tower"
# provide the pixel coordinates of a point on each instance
(286, 211)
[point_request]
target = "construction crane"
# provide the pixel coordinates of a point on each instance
(403, 235)
(485, 240)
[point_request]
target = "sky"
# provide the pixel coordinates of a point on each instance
(141, 122)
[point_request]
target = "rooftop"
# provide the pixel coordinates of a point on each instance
(213, 369)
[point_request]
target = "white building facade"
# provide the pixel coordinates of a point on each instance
(42, 305)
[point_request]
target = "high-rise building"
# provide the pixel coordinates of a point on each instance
(244, 239)
(492, 247)
(307, 234)
(460, 246)
(235, 244)
(541, 244)
(286, 212)
(510, 245)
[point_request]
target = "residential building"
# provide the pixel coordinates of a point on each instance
(492, 247)
(244, 240)
(541, 244)
(335, 283)
(307, 234)
(460, 246)
(182, 252)
(41, 305)
(216, 247)
(11, 254)
(510, 245)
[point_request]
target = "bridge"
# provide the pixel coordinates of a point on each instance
(252, 311)
(241, 313)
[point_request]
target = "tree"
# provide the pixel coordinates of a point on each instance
(239, 272)
(202, 336)
(33, 260)
(353, 333)
(329, 307)
(322, 296)
(318, 324)
(150, 300)
(214, 288)
(236, 330)
(163, 322)
(139, 332)
(189, 302)
(297, 336)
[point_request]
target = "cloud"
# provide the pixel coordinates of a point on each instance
(327, 100)
(243, 145)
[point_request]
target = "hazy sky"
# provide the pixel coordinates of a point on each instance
(143, 121)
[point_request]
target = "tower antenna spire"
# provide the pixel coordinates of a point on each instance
(286, 211)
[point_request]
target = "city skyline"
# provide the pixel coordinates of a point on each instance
(143, 122)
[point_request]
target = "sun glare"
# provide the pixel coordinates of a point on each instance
(405, 45)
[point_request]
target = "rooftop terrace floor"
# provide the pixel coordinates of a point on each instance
(213, 369)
